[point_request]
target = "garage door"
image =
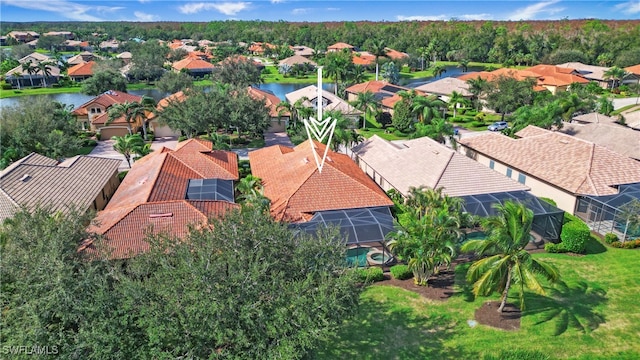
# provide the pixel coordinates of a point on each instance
(164, 131)
(107, 132)
(278, 126)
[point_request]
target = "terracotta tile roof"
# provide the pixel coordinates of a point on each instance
(177, 97)
(556, 76)
(297, 190)
(588, 71)
(77, 181)
(363, 58)
(373, 86)
(618, 138)
(340, 46)
(425, 162)
(395, 55)
(635, 69)
(192, 63)
(259, 47)
(157, 184)
(271, 100)
(107, 99)
(84, 69)
(126, 236)
(572, 164)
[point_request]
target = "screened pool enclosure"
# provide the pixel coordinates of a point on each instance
(612, 213)
(547, 219)
(363, 230)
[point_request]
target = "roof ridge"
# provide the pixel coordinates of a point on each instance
(133, 207)
(9, 197)
(353, 179)
(451, 154)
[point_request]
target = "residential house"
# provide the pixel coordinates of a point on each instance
(330, 102)
(385, 93)
(93, 115)
(445, 86)
(125, 57)
(20, 77)
(81, 71)
(73, 45)
(279, 119)
(160, 130)
(363, 58)
(23, 36)
(109, 45)
(339, 46)
(591, 73)
(82, 183)
(555, 78)
(35, 58)
(297, 60)
(395, 55)
(554, 165)
(423, 162)
(635, 69)
(258, 48)
(165, 192)
(67, 35)
(615, 137)
(194, 66)
(302, 50)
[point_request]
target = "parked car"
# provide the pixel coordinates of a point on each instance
(498, 126)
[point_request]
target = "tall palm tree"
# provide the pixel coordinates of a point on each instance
(45, 69)
(128, 145)
(366, 101)
(464, 64)
(133, 112)
(507, 263)
(427, 107)
(30, 69)
(616, 74)
(438, 70)
(477, 87)
(357, 74)
(378, 49)
(438, 130)
(457, 98)
(423, 52)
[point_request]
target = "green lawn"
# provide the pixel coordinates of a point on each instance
(393, 323)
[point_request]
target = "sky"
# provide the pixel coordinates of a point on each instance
(313, 11)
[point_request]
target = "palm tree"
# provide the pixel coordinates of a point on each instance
(616, 74)
(45, 69)
(131, 111)
(251, 192)
(378, 49)
(366, 101)
(148, 106)
(438, 130)
(464, 64)
(428, 225)
(438, 70)
(427, 107)
(423, 52)
(128, 145)
(457, 98)
(507, 263)
(477, 87)
(357, 74)
(30, 69)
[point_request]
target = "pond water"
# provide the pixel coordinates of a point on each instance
(278, 89)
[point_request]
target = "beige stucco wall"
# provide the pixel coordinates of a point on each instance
(163, 130)
(564, 200)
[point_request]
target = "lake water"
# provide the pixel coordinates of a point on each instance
(77, 99)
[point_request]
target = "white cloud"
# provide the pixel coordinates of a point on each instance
(227, 8)
(277, 1)
(301, 11)
(530, 12)
(144, 1)
(630, 7)
(140, 16)
(333, 9)
(422, 17)
(64, 8)
(475, 17)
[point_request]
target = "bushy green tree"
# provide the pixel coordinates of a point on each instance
(148, 60)
(237, 71)
(104, 81)
(402, 118)
(172, 82)
(507, 94)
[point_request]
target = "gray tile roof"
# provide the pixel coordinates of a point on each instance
(618, 138)
(37, 180)
(425, 162)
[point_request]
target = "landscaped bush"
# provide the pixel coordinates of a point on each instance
(401, 272)
(182, 138)
(371, 274)
(89, 142)
(554, 248)
(6, 86)
(610, 238)
(548, 200)
(98, 136)
(631, 244)
(476, 123)
(122, 175)
(575, 235)
(570, 218)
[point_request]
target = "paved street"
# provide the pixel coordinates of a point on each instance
(620, 103)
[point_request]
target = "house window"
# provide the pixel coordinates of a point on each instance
(509, 171)
(522, 178)
(492, 164)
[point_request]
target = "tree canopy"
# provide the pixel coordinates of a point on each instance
(103, 81)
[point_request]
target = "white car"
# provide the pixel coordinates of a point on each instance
(498, 126)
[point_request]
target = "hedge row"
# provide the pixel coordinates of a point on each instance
(575, 234)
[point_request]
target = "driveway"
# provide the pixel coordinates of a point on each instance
(620, 103)
(104, 149)
(280, 138)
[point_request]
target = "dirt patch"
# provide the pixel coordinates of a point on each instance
(488, 315)
(440, 286)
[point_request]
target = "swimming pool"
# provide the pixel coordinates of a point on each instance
(357, 256)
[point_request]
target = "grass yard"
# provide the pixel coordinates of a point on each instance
(602, 298)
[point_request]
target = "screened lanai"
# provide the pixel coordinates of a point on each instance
(363, 229)
(547, 219)
(605, 214)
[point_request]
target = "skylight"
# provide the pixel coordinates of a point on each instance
(210, 189)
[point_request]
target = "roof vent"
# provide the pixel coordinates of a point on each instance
(435, 152)
(155, 216)
(305, 160)
(142, 181)
(564, 141)
(25, 178)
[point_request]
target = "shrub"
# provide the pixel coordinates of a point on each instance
(6, 86)
(401, 272)
(631, 244)
(182, 138)
(476, 123)
(550, 201)
(90, 142)
(371, 274)
(98, 136)
(610, 238)
(122, 175)
(571, 218)
(554, 248)
(575, 235)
